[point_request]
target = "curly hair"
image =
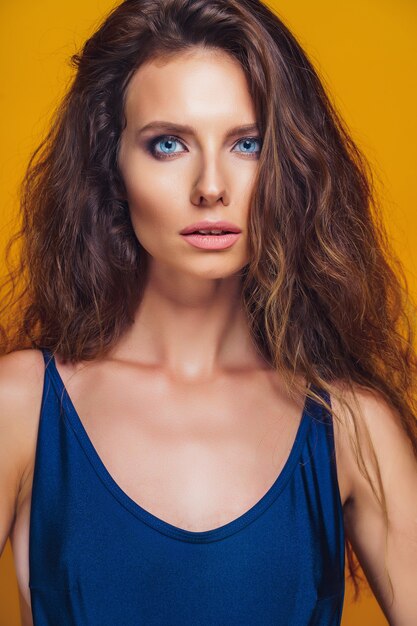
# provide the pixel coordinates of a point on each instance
(324, 293)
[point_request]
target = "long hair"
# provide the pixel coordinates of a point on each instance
(324, 294)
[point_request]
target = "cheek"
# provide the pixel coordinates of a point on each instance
(149, 219)
(151, 204)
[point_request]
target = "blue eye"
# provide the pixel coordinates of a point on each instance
(249, 140)
(167, 143)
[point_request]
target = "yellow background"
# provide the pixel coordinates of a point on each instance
(365, 51)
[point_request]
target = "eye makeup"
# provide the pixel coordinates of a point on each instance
(152, 143)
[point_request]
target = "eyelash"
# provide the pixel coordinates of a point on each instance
(162, 157)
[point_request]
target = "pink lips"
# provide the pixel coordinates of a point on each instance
(212, 242)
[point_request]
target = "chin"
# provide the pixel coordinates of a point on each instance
(216, 273)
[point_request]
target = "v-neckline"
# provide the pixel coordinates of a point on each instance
(205, 536)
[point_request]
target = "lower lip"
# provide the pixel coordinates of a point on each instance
(212, 242)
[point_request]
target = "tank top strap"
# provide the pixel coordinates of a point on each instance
(321, 440)
(51, 401)
(322, 414)
(47, 356)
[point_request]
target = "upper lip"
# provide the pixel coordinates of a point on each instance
(209, 225)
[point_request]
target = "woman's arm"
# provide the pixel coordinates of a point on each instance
(364, 522)
(21, 376)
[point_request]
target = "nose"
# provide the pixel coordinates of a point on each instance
(210, 186)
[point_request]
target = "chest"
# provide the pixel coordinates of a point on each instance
(194, 455)
(195, 458)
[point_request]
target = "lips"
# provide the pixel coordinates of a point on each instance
(207, 225)
(212, 242)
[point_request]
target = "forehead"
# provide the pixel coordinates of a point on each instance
(199, 85)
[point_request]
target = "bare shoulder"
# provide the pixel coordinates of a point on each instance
(21, 384)
(377, 427)
(21, 387)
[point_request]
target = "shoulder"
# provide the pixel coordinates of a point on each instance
(377, 426)
(21, 386)
(21, 376)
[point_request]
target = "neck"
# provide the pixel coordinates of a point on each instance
(193, 328)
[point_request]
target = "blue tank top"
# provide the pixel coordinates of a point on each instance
(97, 558)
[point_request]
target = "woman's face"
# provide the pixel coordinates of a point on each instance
(176, 177)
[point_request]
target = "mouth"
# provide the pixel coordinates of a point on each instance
(210, 233)
(212, 240)
(211, 228)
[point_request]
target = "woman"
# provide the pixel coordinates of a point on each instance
(170, 455)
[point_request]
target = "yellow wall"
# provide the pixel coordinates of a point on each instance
(366, 51)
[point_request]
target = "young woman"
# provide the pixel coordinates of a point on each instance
(203, 318)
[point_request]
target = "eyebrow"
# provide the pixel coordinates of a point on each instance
(190, 130)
